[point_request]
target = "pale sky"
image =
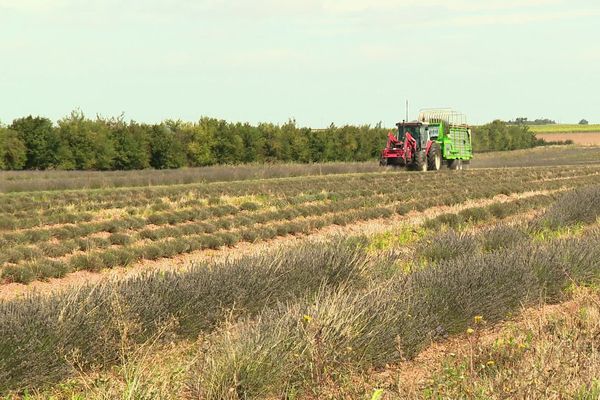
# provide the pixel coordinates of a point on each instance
(318, 61)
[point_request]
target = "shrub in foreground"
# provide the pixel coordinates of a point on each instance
(296, 348)
(581, 205)
(44, 338)
(446, 245)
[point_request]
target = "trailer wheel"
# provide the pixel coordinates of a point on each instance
(434, 158)
(421, 161)
(383, 162)
(455, 164)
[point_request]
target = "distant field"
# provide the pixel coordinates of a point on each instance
(564, 128)
(538, 157)
(582, 138)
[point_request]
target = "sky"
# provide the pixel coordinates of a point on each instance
(316, 61)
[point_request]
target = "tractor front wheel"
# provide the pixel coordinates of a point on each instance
(434, 158)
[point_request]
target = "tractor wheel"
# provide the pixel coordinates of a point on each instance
(455, 164)
(421, 161)
(434, 158)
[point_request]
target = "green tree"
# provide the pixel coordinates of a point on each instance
(13, 153)
(84, 144)
(316, 145)
(370, 142)
(331, 143)
(166, 148)
(39, 138)
(498, 135)
(271, 136)
(348, 143)
(199, 141)
(229, 146)
(296, 142)
(283, 141)
(253, 143)
(131, 144)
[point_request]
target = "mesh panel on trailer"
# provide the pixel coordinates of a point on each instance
(447, 115)
(460, 141)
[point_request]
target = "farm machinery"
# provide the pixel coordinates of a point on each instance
(438, 137)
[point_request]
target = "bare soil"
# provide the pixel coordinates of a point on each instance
(581, 138)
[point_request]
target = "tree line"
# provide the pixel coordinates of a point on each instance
(538, 121)
(76, 142)
(499, 135)
(81, 143)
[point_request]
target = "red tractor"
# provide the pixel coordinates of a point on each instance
(438, 136)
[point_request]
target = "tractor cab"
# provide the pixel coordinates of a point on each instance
(414, 128)
(419, 131)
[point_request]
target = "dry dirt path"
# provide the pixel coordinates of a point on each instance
(371, 227)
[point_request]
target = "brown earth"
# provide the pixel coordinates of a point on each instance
(581, 138)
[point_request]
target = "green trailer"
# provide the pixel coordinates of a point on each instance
(437, 137)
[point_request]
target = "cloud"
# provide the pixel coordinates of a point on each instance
(491, 5)
(275, 8)
(335, 16)
(520, 18)
(360, 6)
(32, 5)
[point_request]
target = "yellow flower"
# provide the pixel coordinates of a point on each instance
(307, 318)
(522, 346)
(490, 363)
(377, 394)
(479, 319)
(470, 331)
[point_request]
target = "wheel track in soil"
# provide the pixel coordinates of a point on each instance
(181, 262)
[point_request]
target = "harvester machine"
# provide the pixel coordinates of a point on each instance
(438, 137)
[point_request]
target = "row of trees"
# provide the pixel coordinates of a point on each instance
(80, 143)
(77, 142)
(538, 121)
(544, 121)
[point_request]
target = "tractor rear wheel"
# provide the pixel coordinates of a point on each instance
(434, 158)
(421, 161)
